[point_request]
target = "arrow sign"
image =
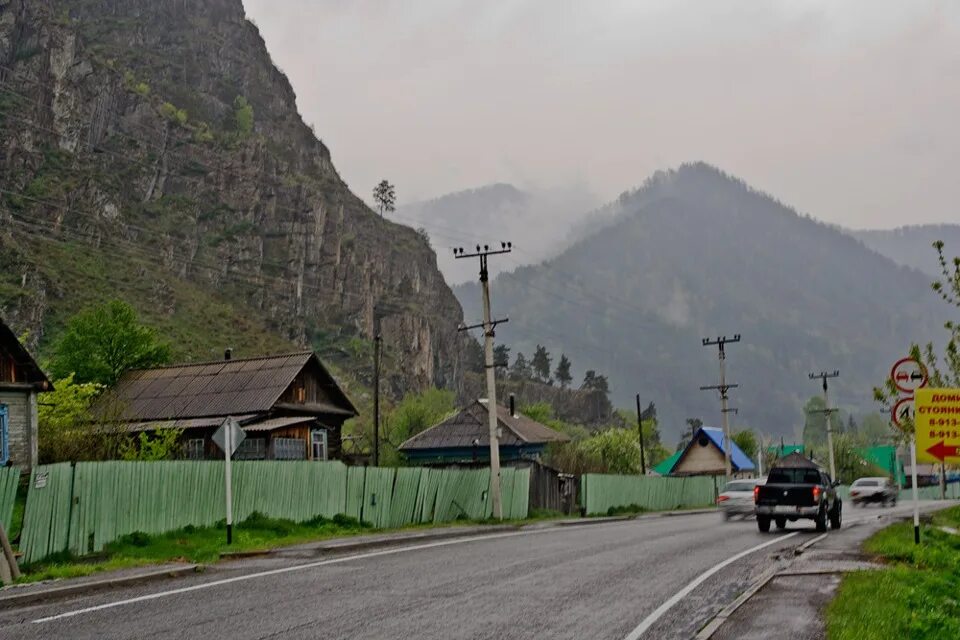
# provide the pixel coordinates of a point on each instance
(908, 375)
(941, 452)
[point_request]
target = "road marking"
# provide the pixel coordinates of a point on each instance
(651, 619)
(302, 567)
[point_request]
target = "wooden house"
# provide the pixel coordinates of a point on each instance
(704, 456)
(289, 405)
(21, 379)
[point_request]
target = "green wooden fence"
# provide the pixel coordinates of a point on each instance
(81, 508)
(601, 492)
(9, 481)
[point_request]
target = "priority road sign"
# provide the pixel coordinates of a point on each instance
(237, 435)
(938, 425)
(902, 412)
(908, 375)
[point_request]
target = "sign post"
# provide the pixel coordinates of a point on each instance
(228, 437)
(910, 376)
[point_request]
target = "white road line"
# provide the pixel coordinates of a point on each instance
(304, 567)
(651, 619)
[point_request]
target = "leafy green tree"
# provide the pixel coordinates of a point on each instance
(593, 381)
(874, 429)
(103, 342)
(243, 116)
(541, 363)
(415, 413)
(162, 444)
(501, 354)
(617, 449)
(385, 197)
(65, 424)
(521, 368)
(562, 374)
(746, 439)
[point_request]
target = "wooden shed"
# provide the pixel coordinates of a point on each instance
(21, 379)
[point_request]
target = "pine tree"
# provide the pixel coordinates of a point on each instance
(541, 363)
(521, 368)
(562, 374)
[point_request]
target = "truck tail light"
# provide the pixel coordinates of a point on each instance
(722, 499)
(756, 494)
(816, 494)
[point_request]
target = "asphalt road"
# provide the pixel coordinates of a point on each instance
(595, 581)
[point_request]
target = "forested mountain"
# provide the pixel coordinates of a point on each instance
(696, 253)
(910, 246)
(537, 220)
(151, 151)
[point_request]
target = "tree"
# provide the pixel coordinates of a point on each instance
(243, 116)
(593, 381)
(415, 413)
(501, 355)
(65, 424)
(385, 197)
(541, 363)
(162, 444)
(562, 374)
(815, 423)
(747, 441)
(692, 425)
(874, 429)
(102, 342)
(521, 368)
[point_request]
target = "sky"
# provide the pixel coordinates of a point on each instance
(848, 111)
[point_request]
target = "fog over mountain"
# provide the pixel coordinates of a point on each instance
(697, 253)
(911, 246)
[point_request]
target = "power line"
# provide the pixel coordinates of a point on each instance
(723, 388)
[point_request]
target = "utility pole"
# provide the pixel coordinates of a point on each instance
(488, 326)
(828, 412)
(723, 388)
(377, 340)
(643, 463)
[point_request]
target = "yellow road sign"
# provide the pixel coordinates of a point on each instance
(938, 425)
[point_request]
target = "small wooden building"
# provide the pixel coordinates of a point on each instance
(289, 405)
(704, 456)
(21, 379)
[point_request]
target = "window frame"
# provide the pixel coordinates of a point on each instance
(4, 434)
(325, 443)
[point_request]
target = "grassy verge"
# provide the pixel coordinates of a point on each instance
(916, 597)
(204, 544)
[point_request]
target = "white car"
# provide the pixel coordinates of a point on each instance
(736, 498)
(867, 490)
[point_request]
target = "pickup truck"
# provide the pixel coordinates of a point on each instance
(795, 492)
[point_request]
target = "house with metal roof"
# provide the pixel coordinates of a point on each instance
(704, 456)
(464, 438)
(21, 379)
(289, 405)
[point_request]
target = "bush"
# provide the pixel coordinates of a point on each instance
(135, 539)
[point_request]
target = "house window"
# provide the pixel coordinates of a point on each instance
(318, 444)
(252, 449)
(4, 435)
(193, 448)
(289, 449)
(301, 395)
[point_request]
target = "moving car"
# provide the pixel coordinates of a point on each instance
(879, 490)
(736, 498)
(797, 488)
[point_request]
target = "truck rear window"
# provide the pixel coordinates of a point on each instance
(794, 476)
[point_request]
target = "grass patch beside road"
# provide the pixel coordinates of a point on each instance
(917, 597)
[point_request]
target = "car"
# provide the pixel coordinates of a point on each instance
(867, 490)
(797, 488)
(736, 498)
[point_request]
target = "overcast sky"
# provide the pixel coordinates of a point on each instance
(849, 111)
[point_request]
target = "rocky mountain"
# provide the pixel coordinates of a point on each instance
(538, 221)
(696, 253)
(911, 246)
(150, 150)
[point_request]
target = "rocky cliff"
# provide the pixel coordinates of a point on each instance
(150, 150)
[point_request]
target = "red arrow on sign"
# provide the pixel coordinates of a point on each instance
(940, 451)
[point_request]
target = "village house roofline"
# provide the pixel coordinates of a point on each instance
(36, 378)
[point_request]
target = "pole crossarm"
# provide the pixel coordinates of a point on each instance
(828, 412)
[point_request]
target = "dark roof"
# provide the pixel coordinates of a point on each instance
(472, 424)
(10, 344)
(796, 460)
(738, 459)
(218, 388)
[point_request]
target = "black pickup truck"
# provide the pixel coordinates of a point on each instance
(797, 488)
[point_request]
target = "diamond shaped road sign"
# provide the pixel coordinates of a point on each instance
(237, 435)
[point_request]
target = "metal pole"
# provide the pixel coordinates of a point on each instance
(643, 462)
(916, 501)
(826, 406)
(726, 421)
(228, 449)
(491, 393)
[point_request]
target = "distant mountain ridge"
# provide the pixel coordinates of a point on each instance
(911, 246)
(695, 253)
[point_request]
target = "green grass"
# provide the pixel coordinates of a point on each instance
(916, 597)
(194, 544)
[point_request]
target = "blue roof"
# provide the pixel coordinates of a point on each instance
(738, 458)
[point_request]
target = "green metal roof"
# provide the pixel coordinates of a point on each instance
(666, 466)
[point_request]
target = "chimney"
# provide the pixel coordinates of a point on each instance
(228, 354)
(513, 406)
